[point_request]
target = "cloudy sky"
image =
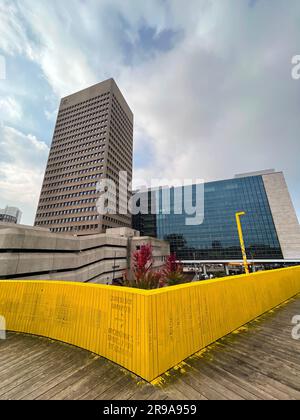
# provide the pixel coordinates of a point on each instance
(209, 82)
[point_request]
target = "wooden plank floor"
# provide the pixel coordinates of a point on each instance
(260, 361)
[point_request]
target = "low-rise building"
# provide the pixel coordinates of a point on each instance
(28, 253)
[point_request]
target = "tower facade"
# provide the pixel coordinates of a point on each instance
(93, 140)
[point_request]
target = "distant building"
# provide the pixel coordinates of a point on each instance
(93, 140)
(10, 215)
(270, 226)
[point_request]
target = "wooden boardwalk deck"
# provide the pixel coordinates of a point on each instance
(260, 361)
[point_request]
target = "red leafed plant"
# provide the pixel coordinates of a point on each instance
(173, 271)
(142, 275)
(142, 260)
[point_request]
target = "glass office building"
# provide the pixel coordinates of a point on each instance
(217, 238)
(146, 222)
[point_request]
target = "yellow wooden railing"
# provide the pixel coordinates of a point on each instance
(146, 332)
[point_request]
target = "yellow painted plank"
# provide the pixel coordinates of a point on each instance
(147, 332)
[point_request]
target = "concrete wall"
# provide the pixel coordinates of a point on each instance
(160, 248)
(34, 253)
(284, 215)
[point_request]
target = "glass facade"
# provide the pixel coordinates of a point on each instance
(145, 223)
(217, 238)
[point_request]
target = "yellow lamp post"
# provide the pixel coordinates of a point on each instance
(240, 232)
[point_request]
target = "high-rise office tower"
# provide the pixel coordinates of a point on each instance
(93, 140)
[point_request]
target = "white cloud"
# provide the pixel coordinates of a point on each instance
(23, 160)
(50, 115)
(13, 35)
(77, 44)
(222, 101)
(10, 109)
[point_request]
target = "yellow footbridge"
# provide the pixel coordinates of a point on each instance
(147, 332)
